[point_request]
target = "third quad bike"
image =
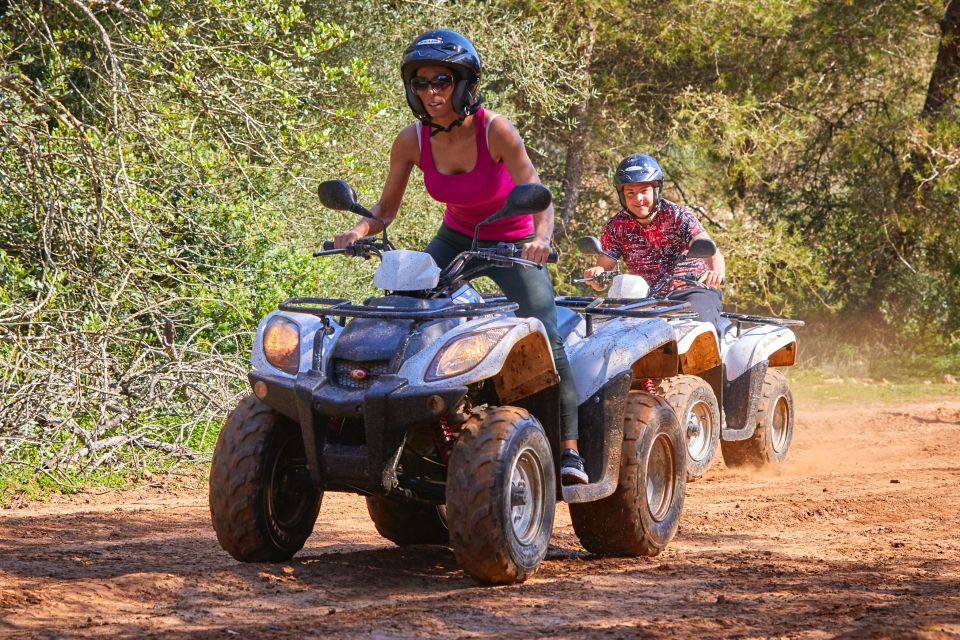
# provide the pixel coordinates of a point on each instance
(442, 408)
(730, 366)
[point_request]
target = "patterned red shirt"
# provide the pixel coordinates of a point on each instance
(652, 250)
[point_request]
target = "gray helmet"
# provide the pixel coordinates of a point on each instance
(638, 167)
(449, 49)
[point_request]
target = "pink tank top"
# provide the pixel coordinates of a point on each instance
(470, 197)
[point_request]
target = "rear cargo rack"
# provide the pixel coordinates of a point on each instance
(338, 307)
(779, 322)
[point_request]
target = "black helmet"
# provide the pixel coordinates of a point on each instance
(638, 167)
(449, 49)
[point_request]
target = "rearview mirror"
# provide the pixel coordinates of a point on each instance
(524, 199)
(337, 194)
(590, 246)
(702, 248)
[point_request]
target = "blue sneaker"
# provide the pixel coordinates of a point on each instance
(572, 469)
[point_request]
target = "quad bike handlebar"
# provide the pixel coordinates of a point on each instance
(362, 248)
(603, 278)
(463, 267)
(693, 282)
(504, 252)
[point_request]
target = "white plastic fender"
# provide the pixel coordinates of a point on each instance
(309, 326)
(415, 368)
(687, 331)
(754, 345)
(612, 349)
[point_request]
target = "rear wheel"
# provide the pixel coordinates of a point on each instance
(770, 442)
(501, 496)
(405, 522)
(642, 515)
(263, 502)
(697, 410)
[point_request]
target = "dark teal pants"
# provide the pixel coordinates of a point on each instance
(532, 290)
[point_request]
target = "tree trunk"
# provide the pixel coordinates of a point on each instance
(945, 79)
(942, 93)
(942, 98)
(576, 148)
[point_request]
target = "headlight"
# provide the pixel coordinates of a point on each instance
(281, 344)
(464, 353)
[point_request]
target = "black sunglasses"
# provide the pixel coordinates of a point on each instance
(438, 82)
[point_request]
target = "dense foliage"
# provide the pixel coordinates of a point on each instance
(158, 161)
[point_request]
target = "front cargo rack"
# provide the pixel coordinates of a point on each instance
(624, 308)
(338, 307)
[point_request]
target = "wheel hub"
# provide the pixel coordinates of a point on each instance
(287, 501)
(699, 429)
(660, 477)
(780, 427)
(527, 496)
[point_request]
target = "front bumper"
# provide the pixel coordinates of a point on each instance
(389, 408)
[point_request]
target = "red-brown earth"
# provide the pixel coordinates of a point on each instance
(857, 535)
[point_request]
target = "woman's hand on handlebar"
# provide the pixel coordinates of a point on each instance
(593, 272)
(341, 240)
(537, 250)
(711, 279)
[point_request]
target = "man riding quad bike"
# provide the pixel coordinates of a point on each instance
(722, 364)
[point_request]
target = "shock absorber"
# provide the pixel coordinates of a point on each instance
(443, 439)
(648, 385)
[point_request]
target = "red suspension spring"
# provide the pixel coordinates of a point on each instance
(443, 439)
(649, 385)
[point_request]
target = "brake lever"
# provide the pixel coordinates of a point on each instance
(499, 257)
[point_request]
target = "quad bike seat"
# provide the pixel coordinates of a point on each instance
(723, 325)
(567, 321)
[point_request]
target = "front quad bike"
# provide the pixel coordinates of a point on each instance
(443, 410)
(729, 368)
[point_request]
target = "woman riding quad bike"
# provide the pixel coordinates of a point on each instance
(455, 415)
(471, 159)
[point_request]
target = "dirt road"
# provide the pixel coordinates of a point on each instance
(857, 536)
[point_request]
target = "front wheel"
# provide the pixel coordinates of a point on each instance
(642, 515)
(501, 496)
(697, 410)
(770, 442)
(263, 502)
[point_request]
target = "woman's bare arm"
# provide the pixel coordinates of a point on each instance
(404, 155)
(507, 146)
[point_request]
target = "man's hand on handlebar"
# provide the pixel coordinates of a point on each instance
(711, 279)
(593, 272)
(537, 250)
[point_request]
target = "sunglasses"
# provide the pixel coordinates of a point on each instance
(420, 84)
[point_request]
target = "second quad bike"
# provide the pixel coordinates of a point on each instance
(442, 408)
(734, 365)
